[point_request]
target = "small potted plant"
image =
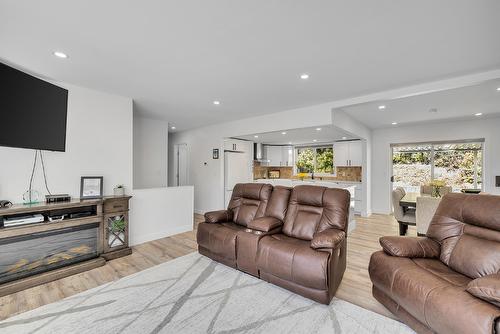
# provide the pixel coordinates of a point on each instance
(119, 190)
(301, 176)
(118, 225)
(436, 187)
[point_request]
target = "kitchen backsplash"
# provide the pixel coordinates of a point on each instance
(343, 173)
(262, 172)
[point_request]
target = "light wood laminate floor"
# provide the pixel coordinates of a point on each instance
(355, 287)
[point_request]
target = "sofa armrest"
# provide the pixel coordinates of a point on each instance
(218, 216)
(265, 224)
(413, 247)
(486, 288)
(330, 238)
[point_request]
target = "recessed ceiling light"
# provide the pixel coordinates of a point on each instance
(478, 114)
(289, 143)
(60, 54)
(256, 136)
(315, 140)
(382, 107)
(344, 138)
(498, 89)
(216, 102)
(283, 133)
(394, 123)
(318, 129)
(304, 76)
(173, 127)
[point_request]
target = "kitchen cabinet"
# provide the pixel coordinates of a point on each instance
(287, 156)
(278, 156)
(348, 153)
(356, 153)
(235, 145)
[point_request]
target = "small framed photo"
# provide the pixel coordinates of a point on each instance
(91, 187)
(215, 153)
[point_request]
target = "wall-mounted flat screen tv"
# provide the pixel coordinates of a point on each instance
(32, 111)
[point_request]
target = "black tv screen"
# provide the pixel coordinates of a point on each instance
(32, 111)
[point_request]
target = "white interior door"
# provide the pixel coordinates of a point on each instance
(181, 165)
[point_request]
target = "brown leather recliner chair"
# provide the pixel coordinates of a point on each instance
(308, 257)
(448, 281)
(216, 236)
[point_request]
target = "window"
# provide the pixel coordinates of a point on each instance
(314, 159)
(459, 164)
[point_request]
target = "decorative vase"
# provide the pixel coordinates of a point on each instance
(436, 191)
(31, 197)
(119, 191)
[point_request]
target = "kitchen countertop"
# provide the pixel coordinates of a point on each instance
(312, 181)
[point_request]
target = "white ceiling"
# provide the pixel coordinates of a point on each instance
(327, 134)
(459, 103)
(175, 57)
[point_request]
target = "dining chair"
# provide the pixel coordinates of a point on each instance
(404, 216)
(426, 207)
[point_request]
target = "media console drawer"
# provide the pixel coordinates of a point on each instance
(115, 205)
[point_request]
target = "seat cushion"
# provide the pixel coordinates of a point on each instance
(219, 239)
(432, 293)
(293, 260)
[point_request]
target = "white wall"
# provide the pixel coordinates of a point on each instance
(345, 122)
(160, 212)
(98, 143)
(150, 152)
(489, 129)
(208, 179)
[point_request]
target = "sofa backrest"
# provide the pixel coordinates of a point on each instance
(249, 201)
(278, 203)
(468, 230)
(314, 209)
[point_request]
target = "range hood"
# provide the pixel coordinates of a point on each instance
(258, 152)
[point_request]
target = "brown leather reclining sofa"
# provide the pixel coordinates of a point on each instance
(295, 238)
(448, 281)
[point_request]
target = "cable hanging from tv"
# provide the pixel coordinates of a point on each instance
(29, 198)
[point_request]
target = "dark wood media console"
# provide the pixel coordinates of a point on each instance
(91, 232)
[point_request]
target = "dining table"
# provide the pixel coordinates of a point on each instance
(410, 200)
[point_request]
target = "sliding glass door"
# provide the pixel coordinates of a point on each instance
(411, 166)
(459, 164)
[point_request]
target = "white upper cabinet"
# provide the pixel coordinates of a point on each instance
(348, 153)
(341, 154)
(278, 156)
(356, 153)
(235, 145)
(287, 156)
(273, 155)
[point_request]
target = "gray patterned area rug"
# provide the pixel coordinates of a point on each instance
(193, 294)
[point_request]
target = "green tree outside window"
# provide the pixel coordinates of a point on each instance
(315, 159)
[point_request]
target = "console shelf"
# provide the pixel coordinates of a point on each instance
(108, 217)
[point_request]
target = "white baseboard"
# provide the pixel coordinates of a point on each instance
(158, 235)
